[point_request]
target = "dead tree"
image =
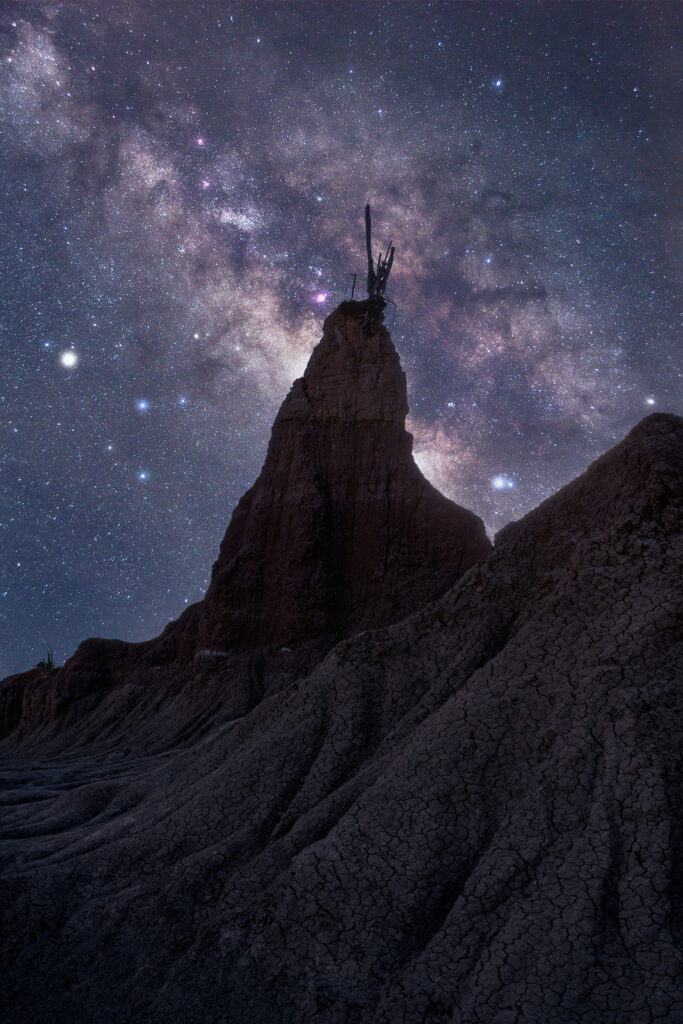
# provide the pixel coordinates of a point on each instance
(377, 278)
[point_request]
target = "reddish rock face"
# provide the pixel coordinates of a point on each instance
(341, 532)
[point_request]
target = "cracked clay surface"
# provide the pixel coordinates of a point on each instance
(470, 817)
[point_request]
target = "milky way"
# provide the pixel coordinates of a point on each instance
(182, 203)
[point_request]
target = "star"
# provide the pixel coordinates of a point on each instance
(193, 232)
(502, 483)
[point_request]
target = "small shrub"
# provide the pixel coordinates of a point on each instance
(47, 663)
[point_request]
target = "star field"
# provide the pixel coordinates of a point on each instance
(182, 191)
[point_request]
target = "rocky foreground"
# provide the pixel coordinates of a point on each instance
(472, 815)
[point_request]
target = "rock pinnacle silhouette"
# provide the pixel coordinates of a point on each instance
(340, 533)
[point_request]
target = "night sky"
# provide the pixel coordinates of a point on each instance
(183, 186)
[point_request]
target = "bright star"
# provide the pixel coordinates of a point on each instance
(142, 475)
(68, 359)
(142, 405)
(320, 297)
(199, 141)
(502, 483)
(650, 400)
(498, 83)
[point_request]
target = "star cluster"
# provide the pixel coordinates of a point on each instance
(182, 193)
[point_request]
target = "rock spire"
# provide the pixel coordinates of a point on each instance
(340, 532)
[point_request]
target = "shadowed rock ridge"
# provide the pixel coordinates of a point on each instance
(340, 533)
(472, 816)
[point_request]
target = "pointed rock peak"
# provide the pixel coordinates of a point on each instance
(353, 377)
(341, 532)
(354, 373)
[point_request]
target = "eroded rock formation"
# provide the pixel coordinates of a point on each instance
(472, 816)
(340, 533)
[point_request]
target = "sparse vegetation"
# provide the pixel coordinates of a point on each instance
(47, 662)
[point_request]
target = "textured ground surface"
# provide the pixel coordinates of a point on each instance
(473, 816)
